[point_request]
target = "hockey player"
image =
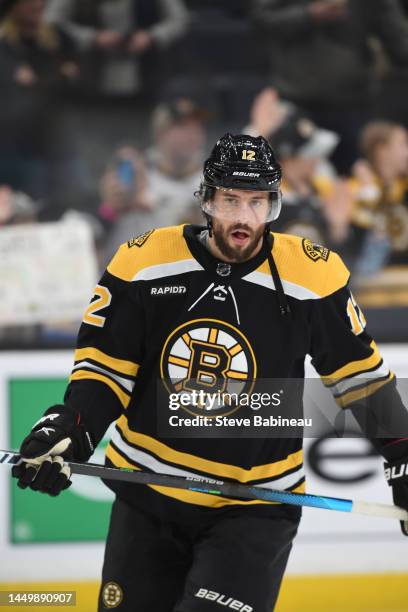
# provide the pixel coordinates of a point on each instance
(230, 302)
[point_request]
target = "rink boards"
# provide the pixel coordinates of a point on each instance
(329, 545)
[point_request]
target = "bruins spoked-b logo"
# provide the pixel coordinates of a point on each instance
(210, 361)
(112, 595)
(315, 251)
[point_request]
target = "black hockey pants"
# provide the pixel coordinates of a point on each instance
(235, 561)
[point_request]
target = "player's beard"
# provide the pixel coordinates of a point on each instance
(236, 254)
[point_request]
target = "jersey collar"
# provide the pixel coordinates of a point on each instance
(217, 267)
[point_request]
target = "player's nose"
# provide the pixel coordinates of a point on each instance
(245, 213)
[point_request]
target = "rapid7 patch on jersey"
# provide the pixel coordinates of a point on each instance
(140, 240)
(315, 251)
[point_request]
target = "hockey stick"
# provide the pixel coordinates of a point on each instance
(218, 487)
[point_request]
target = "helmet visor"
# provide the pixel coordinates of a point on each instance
(259, 207)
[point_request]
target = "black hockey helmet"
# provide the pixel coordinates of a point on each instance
(242, 162)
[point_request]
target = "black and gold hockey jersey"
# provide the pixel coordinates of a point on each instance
(166, 309)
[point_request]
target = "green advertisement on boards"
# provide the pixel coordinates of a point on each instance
(81, 513)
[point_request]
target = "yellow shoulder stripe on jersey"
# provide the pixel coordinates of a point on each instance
(362, 393)
(323, 275)
(191, 497)
(123, 397)
(354, 367)
(222, 470)
(120, 365)
(166, 245)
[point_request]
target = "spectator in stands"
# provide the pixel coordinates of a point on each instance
(176, 158)
(37, 68)
(123, 37)
(316, 205)
(317, 202)
(321, 59)
(380, 188)
(137, 194)
(268, 112)
(127, 207)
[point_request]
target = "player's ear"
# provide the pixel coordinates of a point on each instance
(208, 207)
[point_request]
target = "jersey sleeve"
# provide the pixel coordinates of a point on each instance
(352, 368)
(343, 353)
(108, 354)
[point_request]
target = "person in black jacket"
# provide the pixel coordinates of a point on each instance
(321, 58)
(37, 69)
(122, 40)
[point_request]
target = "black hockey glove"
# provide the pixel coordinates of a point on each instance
(58, 434)
(396, 474)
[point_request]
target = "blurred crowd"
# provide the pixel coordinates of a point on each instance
(109, 108)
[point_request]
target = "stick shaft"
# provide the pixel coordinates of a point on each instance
(218, 487)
